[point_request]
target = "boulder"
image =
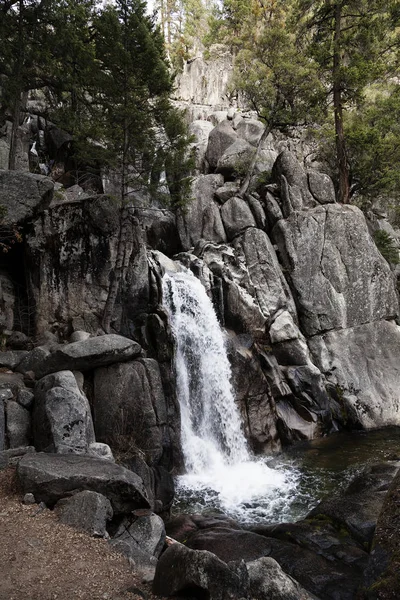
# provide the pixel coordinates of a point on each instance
(319, 535)
(62, 421)
(36, 196)
(258, 211)
(87, 511)
(382, 576)
(18, 341)
(352, 283)
(130, 411)
(141, 539)
(12, 358)
(292, 177)
(235, 160)
(50, 477)
(220, 138)
(226, 191)
(201, 130)
(181, 570)
(267, 580)
(79, 336)
(236, 216)
(18, 425)
(240, 309)
(101, 451)
(12, 456)
(25, 398)
(324, 578)
(359, 506)
(267, 281)
(87, 354)
(321, 187)
(283, 328)
(201, 218)
(253, 394)
(272, 209)
(250, 130)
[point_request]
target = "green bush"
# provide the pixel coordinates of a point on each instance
(387, 246)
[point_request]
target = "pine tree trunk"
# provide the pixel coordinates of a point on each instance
(341, 154)
(16, 108)
(14, 132)
(247, 179)
(118, 271)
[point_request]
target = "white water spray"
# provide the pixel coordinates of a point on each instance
(219, 466)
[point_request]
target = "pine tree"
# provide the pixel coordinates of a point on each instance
(351, 41)
(279, 82)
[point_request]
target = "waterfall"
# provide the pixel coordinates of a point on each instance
(219, 466)
(211, 431)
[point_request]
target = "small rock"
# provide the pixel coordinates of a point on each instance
(79, 336)
(18, 424)
(25, 398)
(18, 341)
(29, 499)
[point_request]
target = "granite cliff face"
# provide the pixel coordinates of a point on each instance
(308, 302)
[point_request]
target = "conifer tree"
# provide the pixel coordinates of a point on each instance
(352, 43)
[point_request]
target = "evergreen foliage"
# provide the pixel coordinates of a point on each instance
(104, 71)
(387, 247)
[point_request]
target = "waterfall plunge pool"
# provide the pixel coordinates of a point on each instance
(221, 473)
(310, 471)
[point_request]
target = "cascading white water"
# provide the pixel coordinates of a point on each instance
(218, 463)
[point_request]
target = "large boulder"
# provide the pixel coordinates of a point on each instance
(220, 138)
(266, 278)
(130, 411)
(50, 477)
(382, 575)
(24, 195)
(321, 187)
(358, 507)
(236, 216)
(201, 130)
(250, 130)
(87, 511)
(338, 275)
(324, 578)
(181, 570)
(62, 419)
(267, 580)
(141, 539)
(292, 177)
(201, 219)
(236, 159)
(88, 354)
